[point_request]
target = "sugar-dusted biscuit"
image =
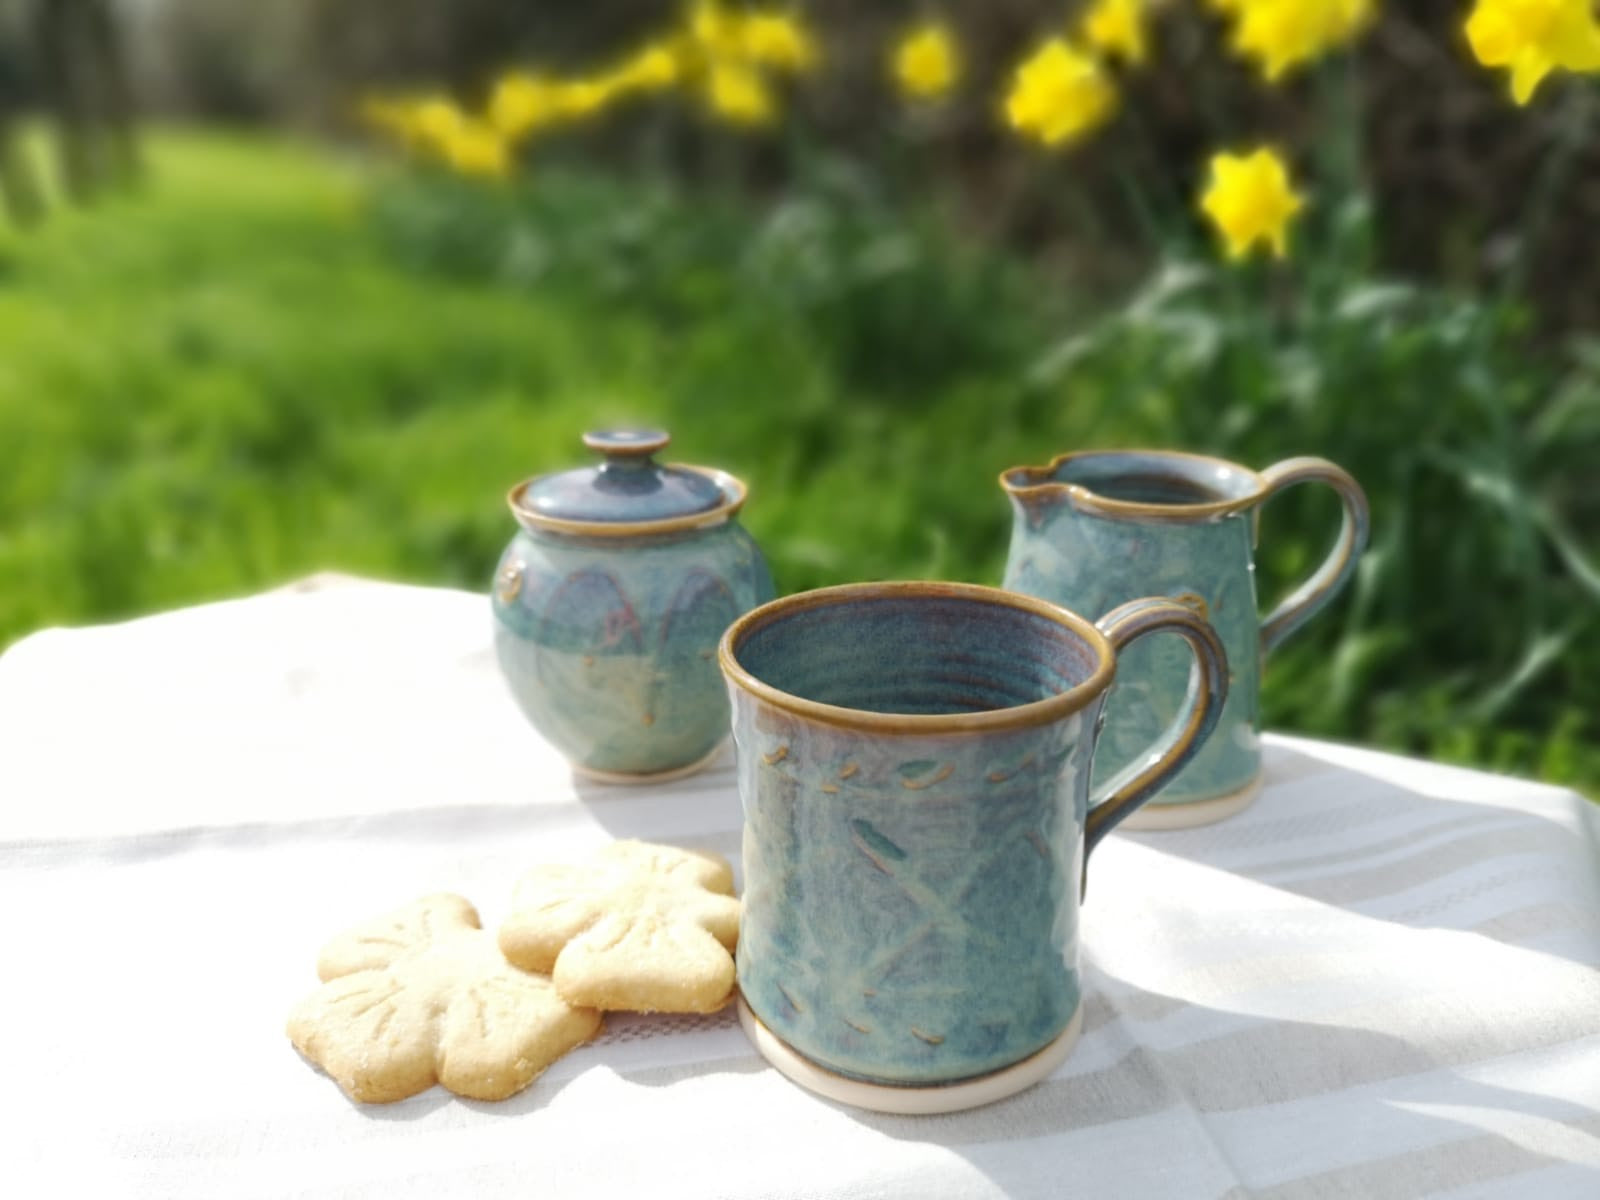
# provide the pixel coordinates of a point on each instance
(424, 996)
(636, 927)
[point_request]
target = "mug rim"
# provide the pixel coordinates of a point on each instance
(1020, 716)
(1087, 498)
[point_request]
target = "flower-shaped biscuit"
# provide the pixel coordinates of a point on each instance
(424, 996)
(637, 927)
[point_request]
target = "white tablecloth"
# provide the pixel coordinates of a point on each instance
(1380, 981)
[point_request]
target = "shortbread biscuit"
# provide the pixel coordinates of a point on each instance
(424, 996)
(636, 927)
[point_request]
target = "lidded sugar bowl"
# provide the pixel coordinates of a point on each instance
(611, 599)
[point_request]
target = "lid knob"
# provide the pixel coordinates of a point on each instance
(627, 488)
(626, 443)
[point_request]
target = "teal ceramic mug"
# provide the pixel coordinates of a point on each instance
(1094, 529)
(913, 765)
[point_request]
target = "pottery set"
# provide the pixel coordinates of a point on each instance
(924, 768)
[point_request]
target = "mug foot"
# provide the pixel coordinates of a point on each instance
(1191, 813)
(918, 1100)
(626, 777)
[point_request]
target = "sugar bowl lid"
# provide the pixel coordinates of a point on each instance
(629, 492)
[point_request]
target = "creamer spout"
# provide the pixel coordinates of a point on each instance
(1036, 492)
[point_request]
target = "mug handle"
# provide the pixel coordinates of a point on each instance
(1202, 706)
(1300, 605)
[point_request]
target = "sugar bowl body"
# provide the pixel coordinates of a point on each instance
(611, 599)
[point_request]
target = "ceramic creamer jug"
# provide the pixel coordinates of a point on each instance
(610, 601)
(1093, 530)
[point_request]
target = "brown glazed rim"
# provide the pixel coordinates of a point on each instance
(733, 492)
(1021, 716)
(1087, 498)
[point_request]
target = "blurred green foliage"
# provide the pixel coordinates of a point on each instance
(269, 364)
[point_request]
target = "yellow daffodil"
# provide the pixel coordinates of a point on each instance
(1533, 38)
(433, 124)
(1116, 28)
(476, 148)
(521, 103)
(739, 95)
(778, 41)
(1249, 200)
(652, 69)
(715, 32)
(435, 121)
(927, 62)
(579, 99)
(728, 52)
(1059, 94)
(1281, 35)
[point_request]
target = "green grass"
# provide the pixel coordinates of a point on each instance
(228, 380)
(222, 383)
(271, 362)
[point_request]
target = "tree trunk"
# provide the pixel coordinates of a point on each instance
(64, 75)
(114, 100)
(86, 85)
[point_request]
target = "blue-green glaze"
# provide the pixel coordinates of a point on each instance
(911, 900)
(609, 643)
(1070, 547)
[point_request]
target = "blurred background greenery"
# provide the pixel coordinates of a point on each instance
(297, 343)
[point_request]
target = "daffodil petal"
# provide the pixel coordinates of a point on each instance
(1530, 69)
